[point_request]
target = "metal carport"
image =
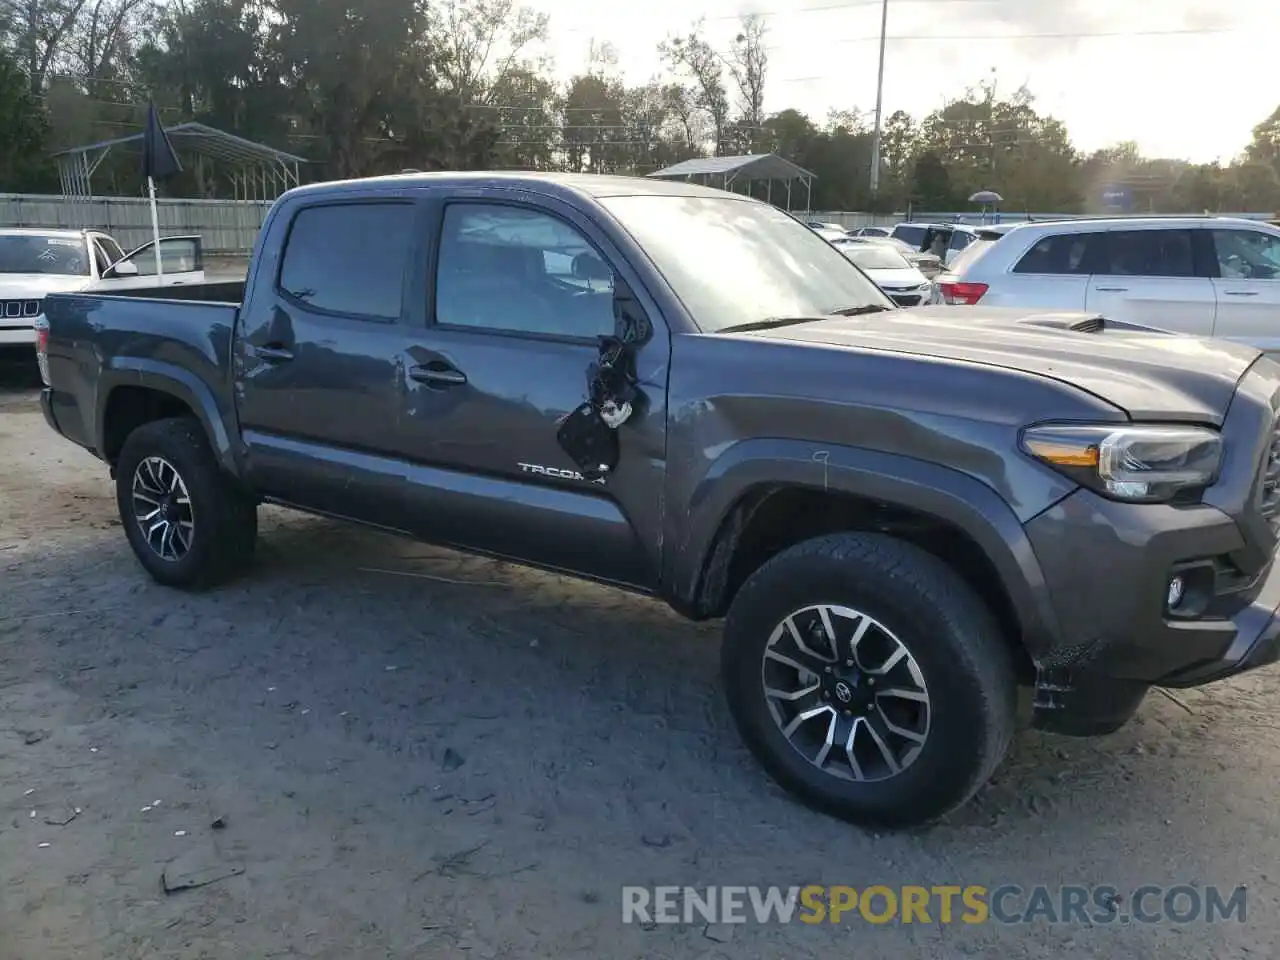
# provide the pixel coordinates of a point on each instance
(747, 168)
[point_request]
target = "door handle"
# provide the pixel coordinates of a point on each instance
(439, 374)
(1111, 289)
(1241, 293)
(274, 353)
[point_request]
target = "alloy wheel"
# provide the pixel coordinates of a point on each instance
(162, 509)
(846, 693)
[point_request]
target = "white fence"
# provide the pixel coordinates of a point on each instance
(227, 226)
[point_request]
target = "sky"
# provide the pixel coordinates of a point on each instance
(1184, 78)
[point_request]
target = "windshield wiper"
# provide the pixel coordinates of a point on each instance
(860, 311)
(767, 324)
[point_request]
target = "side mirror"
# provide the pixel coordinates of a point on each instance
(121, 268)
(630, 323)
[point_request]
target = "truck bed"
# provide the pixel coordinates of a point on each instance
(219, 291)
(178, 335)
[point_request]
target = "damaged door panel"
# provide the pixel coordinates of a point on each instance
(552, 438)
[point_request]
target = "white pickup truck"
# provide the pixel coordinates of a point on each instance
(36, 262)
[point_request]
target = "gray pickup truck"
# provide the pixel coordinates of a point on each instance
(902, 515)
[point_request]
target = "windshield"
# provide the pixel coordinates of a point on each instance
(874, 256)
(61, 256)
(736, 261)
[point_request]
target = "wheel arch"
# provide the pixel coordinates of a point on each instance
(136, 391)
(750, 507)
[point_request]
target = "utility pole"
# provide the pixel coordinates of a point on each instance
(875, 142)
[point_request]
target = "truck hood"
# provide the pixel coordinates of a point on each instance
(23, 286)
(1149, 374)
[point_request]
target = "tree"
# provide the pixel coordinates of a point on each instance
(748, 63)
(24, 161)
(40, 30)
(344, 60)
(102, 44)
(899, 144)
(1265, 146)
(694, 59)
(931, 183)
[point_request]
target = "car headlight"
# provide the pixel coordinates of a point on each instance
(1137, 463)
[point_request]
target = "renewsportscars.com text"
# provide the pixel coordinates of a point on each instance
(973, 904)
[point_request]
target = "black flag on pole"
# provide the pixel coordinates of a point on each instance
(158, 159)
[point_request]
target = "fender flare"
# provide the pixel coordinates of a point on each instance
(955, 498)
(178, 383)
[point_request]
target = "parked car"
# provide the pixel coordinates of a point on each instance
(926, 263)
(35, 263)
(869, 232)
(901, 513)
(825, 225)
(888, 270)
(1208, 276)
(943, 240)
(829, 233)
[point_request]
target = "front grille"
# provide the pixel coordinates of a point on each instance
(905, 299)
(1269, 495)
(19, 309)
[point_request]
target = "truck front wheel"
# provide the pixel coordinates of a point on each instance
(187, 523)
(869, 679)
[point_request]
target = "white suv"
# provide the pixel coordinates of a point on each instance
(1208, 276)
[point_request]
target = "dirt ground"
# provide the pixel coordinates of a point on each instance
(473, 762)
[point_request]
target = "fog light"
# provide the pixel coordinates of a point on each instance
(1177, 590)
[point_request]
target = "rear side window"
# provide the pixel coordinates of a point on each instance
(350, 258)
(970, 255)
(1149, 253)
(960, 239)
(1062, 253)
(912, 235)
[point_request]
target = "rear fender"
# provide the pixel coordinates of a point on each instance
(179, 383)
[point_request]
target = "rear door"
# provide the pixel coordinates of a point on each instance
(1052, 274)
(1247, 280)
(1154, 276)
(321, 354)
(521, 289)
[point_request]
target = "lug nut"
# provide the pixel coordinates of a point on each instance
(848, 663)
(828, 669)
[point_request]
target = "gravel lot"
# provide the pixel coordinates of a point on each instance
(472, 761)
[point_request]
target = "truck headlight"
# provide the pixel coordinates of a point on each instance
(1137, 463)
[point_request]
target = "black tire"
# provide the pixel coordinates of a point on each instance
(225, 520)
(953, 638)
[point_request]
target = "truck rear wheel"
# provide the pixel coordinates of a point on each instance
(869, 679)
(187, 523)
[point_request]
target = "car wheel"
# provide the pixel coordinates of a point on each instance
(869, 679)
(188, 524)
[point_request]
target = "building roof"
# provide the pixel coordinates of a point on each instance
(750, 166)
(205, 140)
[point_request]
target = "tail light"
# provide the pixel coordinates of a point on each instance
(962, 293)
(42, 348)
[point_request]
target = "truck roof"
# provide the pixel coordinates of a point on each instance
(555, 184)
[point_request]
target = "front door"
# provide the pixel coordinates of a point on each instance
(320, 361)
(1248, 287)
(521, 292)
(181, 261)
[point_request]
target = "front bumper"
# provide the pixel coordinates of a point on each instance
(1256, 643)
(18, 337)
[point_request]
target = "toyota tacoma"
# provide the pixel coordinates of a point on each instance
(902, 515)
